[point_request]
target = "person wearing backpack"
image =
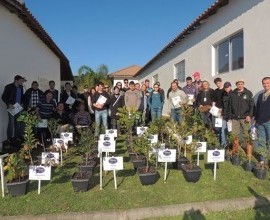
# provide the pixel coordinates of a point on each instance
(155, 102)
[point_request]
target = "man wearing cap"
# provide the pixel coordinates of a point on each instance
(13, 93)
(197, 80)
(241, 107)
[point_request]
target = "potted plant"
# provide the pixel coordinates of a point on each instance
(85, 146)
(148, 174)
(248, 164)
(138, 159)
(127, 120)
(260, 170)
(16, 167)
(81, 181)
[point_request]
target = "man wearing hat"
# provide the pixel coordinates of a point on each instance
(13, 93)
(197, 80)
(241, 107)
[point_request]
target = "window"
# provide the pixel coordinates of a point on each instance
(155, 79)
(230, 54)
(179, 71)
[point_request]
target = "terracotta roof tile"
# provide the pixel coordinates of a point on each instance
(126, 72)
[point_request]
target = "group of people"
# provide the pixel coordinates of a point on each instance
(100, 104)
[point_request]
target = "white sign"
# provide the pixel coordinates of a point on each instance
(167, 155)
(141, 130)
(59, 142)
(176, 101)
(106, 137)
(106, 146)
(42, 123)
(201, 147)
(215, 156)
(153, 138)
(218, 122)
(188, 139)
(190, 99)
(48, 158)
(113, 163)
(214, 111)
(16, 109)
(70, 100)
(67, 136)
(101, 100)
(112, 131)
(39, 172)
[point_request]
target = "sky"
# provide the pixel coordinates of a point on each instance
(117, 33)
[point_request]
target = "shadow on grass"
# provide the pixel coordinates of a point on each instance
(261, 206)
(210, 166)
(193, 215)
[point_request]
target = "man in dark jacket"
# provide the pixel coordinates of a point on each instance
(116, 101)
(32, 96)
(241, 107)
(13, 93)
(262, 116)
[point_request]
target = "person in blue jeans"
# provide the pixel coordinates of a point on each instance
(155, 102)
(262, 115)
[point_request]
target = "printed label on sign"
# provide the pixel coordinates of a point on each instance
(106, 137)
(113, 163)
(153, 138)
(106, 146)
(167, 155)
(39, 172)
(48, 158)
(67, 136)
(112, 131)
(141, 130)
(201, 147)
(215, 156)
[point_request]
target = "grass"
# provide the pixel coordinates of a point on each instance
(57, 195)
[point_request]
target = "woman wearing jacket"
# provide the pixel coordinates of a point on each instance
(155, 102)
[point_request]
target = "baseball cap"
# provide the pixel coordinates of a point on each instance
(196, 74)
(240, 80)
(18, 77)
(227, 84)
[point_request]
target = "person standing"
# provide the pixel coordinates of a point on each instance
(191, 90)
(226, 107)
(101, 101)
(126, 87)
(132, 98)
(13, 93)
(116, 101)
(155, 102)
(32, 96)
(262, 115)
(68, 97)
(204, 102)
(177, 97)
(53, 91)
(241, 108)
(197, 81)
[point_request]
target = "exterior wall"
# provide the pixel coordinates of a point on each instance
(22, 52)
(198, 48)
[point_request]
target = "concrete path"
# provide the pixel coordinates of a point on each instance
(161, 211)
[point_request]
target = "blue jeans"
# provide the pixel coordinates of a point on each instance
(222, 132)
(101, 115)
(264, 134)
(155, 113)
(176, 115)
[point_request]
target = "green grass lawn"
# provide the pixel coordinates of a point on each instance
(57, 195)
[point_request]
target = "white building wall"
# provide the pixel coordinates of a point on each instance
(251, 16)
(22, 52)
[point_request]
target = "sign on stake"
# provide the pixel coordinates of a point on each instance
(2, 174)
(215, 156)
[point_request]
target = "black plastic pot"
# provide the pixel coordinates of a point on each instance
(138, 161)
(191, 172)
(147, 177)
(248, 166)
(83, 167)
(17, 188)
(260, 173)
(235, 160)
(80, 181)
(179, 162)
